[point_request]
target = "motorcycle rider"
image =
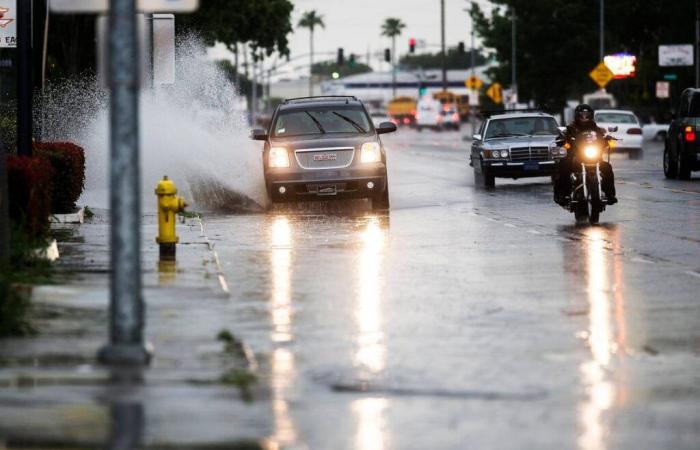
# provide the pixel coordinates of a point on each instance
(583, 121)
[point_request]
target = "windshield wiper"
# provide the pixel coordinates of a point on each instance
(351, 122)
(508, 135)
(318, 124)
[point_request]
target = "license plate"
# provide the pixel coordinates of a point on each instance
(531, 165)
(326, 157)
(326, 189)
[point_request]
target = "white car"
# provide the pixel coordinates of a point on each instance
(629, 130)
(450, 117)
(655, 131)
(429, 114)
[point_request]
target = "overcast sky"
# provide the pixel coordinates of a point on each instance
(355, 25)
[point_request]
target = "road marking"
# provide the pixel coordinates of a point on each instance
(693, 273)
(643, 260)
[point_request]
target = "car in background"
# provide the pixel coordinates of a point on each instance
(320, 148)
(450, 117)
(379, 116)
(515, 145)
(429, 114)
(682, 147)
(629, 130)
(402, 110)
(655, 131)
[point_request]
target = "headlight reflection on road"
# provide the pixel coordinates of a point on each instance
(282, 359)
(281, 280)
(602, 340)
(371, 352)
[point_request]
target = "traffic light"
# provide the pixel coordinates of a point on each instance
(422, 89)
(341, 57)
(412, 45)
(387, 55)
(352, 60)
(460, 48)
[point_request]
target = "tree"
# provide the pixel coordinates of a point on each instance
(310, 19)
(264, 24)
(391, 28)
(557, 45)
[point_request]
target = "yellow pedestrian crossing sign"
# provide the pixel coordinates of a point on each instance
(602, 75)
(495, 93)
(473, 83)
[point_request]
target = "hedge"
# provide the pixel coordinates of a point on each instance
(68, 161)
(30, 188)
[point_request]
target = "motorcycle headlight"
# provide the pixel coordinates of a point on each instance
(279, 157)
(591, 152)
(370, 152)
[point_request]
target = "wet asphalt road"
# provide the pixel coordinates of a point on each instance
(468, 318)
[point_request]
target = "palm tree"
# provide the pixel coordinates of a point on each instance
(310, 19)
(391, 28)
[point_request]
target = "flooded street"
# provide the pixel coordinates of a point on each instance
(486, 316)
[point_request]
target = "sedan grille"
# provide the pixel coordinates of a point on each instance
(325, 158)
(529, 154)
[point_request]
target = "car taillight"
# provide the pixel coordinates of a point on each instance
(455, 117)
(414, 113)
(417, 116)
(634, 131)
(689, 134)
(406, 120)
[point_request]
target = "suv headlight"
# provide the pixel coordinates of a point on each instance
(279, 157)
(370, 152)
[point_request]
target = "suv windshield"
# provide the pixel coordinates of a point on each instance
(300, 122)
(615, 118)
(522, 126)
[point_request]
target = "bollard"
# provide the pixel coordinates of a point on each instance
(169, 204)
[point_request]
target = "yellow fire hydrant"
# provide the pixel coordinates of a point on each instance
(169, 204)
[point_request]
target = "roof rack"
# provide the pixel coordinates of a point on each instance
(321, 98)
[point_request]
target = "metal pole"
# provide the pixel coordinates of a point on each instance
(4, 213)
(514, 56)
(237, 78)
(393, 66)
(442, 37)
(472, 116)
(311, 61)
(126, 346)
(602, 29)
(697, 43)
(254, 94)
(24, 77)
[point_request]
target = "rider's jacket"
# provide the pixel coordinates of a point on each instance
(574, 129)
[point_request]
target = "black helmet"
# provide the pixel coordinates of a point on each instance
(583, 114)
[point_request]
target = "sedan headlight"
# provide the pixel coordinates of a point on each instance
(495, 154)
(370, 152)
(279, 157)
(591, 152)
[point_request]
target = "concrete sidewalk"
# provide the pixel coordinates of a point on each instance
(198, 392)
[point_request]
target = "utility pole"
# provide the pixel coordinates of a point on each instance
(472, 116)
(24, 78)
(254, 93)
(237, 77)
(393, 66)
(4, 210)
(126, 345)
(442, 37)
(311, 62)
(514, 56)
(602, 29)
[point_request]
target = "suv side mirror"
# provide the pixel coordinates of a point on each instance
(258, 135)
(386, 127)
(613, 129)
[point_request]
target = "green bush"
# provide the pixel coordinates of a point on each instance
(14, 311)
(68, 162)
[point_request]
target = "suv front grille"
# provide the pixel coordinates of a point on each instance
(325, 158)
(529, 154)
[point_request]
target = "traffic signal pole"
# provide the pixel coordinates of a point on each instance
(442, 44)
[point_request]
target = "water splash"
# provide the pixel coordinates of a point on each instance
(193, 131)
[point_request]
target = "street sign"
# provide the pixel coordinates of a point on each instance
(474, 83)
(670, 77)
(663, 89)
(8, 23)
(102, 6)
(602, 75)
(676, 55)
(495, 93)
(622, 65)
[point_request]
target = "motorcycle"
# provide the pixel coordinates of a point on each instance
(587, 199)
